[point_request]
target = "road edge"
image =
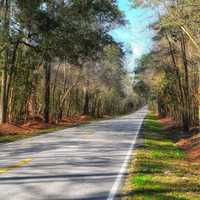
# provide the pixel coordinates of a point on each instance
(123, 169)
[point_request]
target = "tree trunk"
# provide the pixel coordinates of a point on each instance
(47, 80)
(183, 119)
(4, 100)
(5, 14)
(99, 105)
(186, 115)
(86, 103)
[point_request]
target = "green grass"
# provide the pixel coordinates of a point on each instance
(159, 170)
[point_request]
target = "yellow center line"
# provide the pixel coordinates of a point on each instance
(17, 165)
(89, 134)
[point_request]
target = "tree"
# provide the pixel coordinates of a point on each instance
(177, 90)
(58, 59)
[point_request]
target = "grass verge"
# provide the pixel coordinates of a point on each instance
(159, 170)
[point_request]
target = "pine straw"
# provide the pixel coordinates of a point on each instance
(32, 127)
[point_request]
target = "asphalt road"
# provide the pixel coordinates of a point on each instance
(85, 162)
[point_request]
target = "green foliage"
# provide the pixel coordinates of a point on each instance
(58, 58)
(170, 70)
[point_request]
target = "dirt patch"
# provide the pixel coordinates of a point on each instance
(166, 120)
(183, 144)
(194, 154)
(10, 129)
(33, 125)
(67, 121)
(190, 144)
(73, 120)
(192, 148)
(169, 124)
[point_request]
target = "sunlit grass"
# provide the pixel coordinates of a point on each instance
(160, 171)
(142, 179)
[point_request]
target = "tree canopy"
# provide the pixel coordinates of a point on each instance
(172, 68)
(57, 58)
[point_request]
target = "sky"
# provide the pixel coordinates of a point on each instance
(135, 36)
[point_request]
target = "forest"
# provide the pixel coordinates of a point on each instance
(169, 73)
(166, 165)
(58, 59)
(94, 107)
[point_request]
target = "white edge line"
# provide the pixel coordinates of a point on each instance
(122, 171)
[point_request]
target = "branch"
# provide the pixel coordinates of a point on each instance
(190, 37)
(29, 45)
(2, 49)
(69, 90)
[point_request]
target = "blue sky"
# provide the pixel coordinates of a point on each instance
(135, 36)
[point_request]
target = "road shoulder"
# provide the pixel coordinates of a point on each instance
(159, 169)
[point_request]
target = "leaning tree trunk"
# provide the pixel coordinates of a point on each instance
(186, 115)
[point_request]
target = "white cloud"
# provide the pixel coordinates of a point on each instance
(137, 50)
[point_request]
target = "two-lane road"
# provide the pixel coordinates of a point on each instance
(85, 162)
